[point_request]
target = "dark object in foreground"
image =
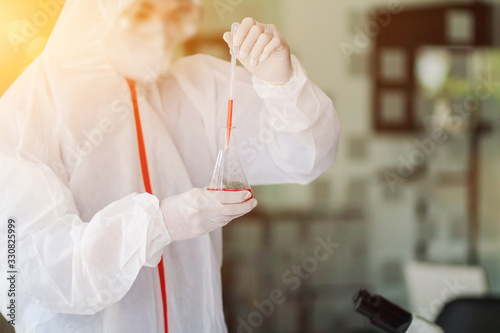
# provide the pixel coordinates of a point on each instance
(381, 312)
(469, 314)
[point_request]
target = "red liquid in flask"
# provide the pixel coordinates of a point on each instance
(235, 190)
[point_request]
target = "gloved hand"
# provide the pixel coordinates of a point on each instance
(199, 211)
(263, 51)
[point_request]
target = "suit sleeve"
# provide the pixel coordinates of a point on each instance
(66, 264)
(301, 124)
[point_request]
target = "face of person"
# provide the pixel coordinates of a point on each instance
(179, 19)
(143, 38)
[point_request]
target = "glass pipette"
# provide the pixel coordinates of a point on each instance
(234, 54)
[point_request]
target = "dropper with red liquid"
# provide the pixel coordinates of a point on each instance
(234, 54)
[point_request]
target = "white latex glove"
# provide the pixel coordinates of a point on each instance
(199, 211)
(263, 51)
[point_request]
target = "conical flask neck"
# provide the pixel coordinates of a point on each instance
(227, 138)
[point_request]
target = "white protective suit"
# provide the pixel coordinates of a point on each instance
(89, 238)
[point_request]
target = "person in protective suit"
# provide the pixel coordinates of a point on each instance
(106, 149)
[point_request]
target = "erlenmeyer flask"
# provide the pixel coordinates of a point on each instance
(228, 174)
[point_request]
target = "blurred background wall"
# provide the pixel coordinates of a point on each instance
(396, 194)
